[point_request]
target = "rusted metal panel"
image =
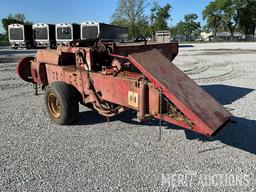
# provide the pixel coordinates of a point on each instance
(204, 111)
(68, 56)
(47, 56)
(112, 89)
(38, 71)
(68, 74)
(116, 90)
(143, 109)
(153, 98)
(54, 73)
(169, 50)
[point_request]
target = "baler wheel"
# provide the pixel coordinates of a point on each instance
(61, 103)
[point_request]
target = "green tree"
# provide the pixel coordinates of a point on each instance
(192, 26)
(189, 27)
(206, 29)
(143, 28)
(180, 28)
(214, 16)
(18, 18)
(159, 16)
(130, 13)
(224, 14)
(247, 19)
(231, 13)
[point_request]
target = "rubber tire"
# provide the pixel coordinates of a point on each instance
(68, 100)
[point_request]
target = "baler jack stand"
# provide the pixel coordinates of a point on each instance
(35, 86)
(108, 122)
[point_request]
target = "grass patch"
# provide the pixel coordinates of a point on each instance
(4, 43)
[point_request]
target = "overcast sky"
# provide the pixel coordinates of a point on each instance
(56, 11)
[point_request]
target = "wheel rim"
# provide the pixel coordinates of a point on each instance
(53, 105)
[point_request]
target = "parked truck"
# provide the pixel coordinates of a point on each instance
(66, 33)
(94, 30)
(20, 36)
(44, 35)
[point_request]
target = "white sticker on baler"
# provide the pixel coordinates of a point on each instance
(133, 99)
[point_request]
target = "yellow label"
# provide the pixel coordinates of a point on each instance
(133, 99)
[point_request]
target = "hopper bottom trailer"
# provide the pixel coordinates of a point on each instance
(111, 78)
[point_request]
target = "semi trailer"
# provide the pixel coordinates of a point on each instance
(66, 33)
(20, 36)
(44, 35)
(94, 30)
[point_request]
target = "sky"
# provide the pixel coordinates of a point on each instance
(77, 11)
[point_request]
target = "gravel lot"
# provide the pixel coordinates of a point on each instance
(122, 155)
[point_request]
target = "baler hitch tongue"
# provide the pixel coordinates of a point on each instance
(198, 110)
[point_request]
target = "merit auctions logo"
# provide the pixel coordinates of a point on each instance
(188, 178)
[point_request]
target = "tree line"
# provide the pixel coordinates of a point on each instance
(232, 16)
(220, 15)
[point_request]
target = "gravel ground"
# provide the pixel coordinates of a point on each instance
(122, 155)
